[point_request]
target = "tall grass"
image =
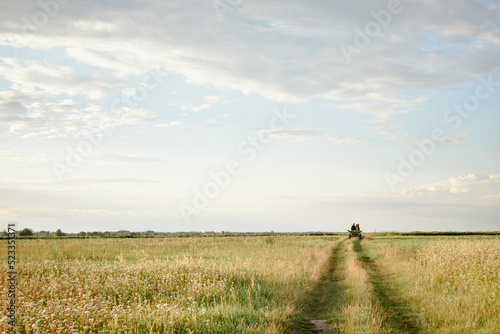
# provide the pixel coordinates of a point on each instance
(255, 284)
(452, 285)
(202, 285)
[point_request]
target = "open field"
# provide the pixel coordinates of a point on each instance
(258, 284)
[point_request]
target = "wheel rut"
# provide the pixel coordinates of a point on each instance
(327, 295)
(324, 308)
(400, 316)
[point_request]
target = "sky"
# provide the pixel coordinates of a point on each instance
(250, 115)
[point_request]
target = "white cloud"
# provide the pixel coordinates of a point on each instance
(461, 136)
(287, 52)
(38, 157)
(494, 196)
(208, 102)
(120, 158)
(212, 122)
(10, 111)
(472, 183)
(55, 79)
(344, 140)
(290, 52)
(289, 134)
(67, 118)
(101, 180)
(297, 135)
(489, 37)
(169, 124)
(383, 108)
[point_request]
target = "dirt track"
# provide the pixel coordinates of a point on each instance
(332, 296)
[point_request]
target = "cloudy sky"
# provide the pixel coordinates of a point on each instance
(250, 115)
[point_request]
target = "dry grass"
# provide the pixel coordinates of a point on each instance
(453, 285)
(184, 285)
(253, 284)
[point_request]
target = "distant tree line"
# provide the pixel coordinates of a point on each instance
(27, 232)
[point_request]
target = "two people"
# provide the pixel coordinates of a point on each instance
(355, 227)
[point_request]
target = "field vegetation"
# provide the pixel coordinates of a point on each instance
(258, 284)
(183, 285)
(451, 284)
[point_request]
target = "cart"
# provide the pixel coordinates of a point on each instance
(354, 234)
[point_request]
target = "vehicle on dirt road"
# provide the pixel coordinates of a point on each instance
(355, 234)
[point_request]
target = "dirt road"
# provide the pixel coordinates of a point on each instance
(354, 295)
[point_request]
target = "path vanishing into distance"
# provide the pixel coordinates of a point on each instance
(354, 295)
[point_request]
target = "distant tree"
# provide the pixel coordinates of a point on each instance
(59, 233)
(42, 233)
(4, 234)
(26, 232)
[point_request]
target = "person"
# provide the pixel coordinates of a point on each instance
(357, 227)
(353, 227)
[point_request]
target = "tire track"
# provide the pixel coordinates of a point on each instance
(400, 316)
(328, 295)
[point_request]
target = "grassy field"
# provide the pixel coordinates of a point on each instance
(258, 284)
